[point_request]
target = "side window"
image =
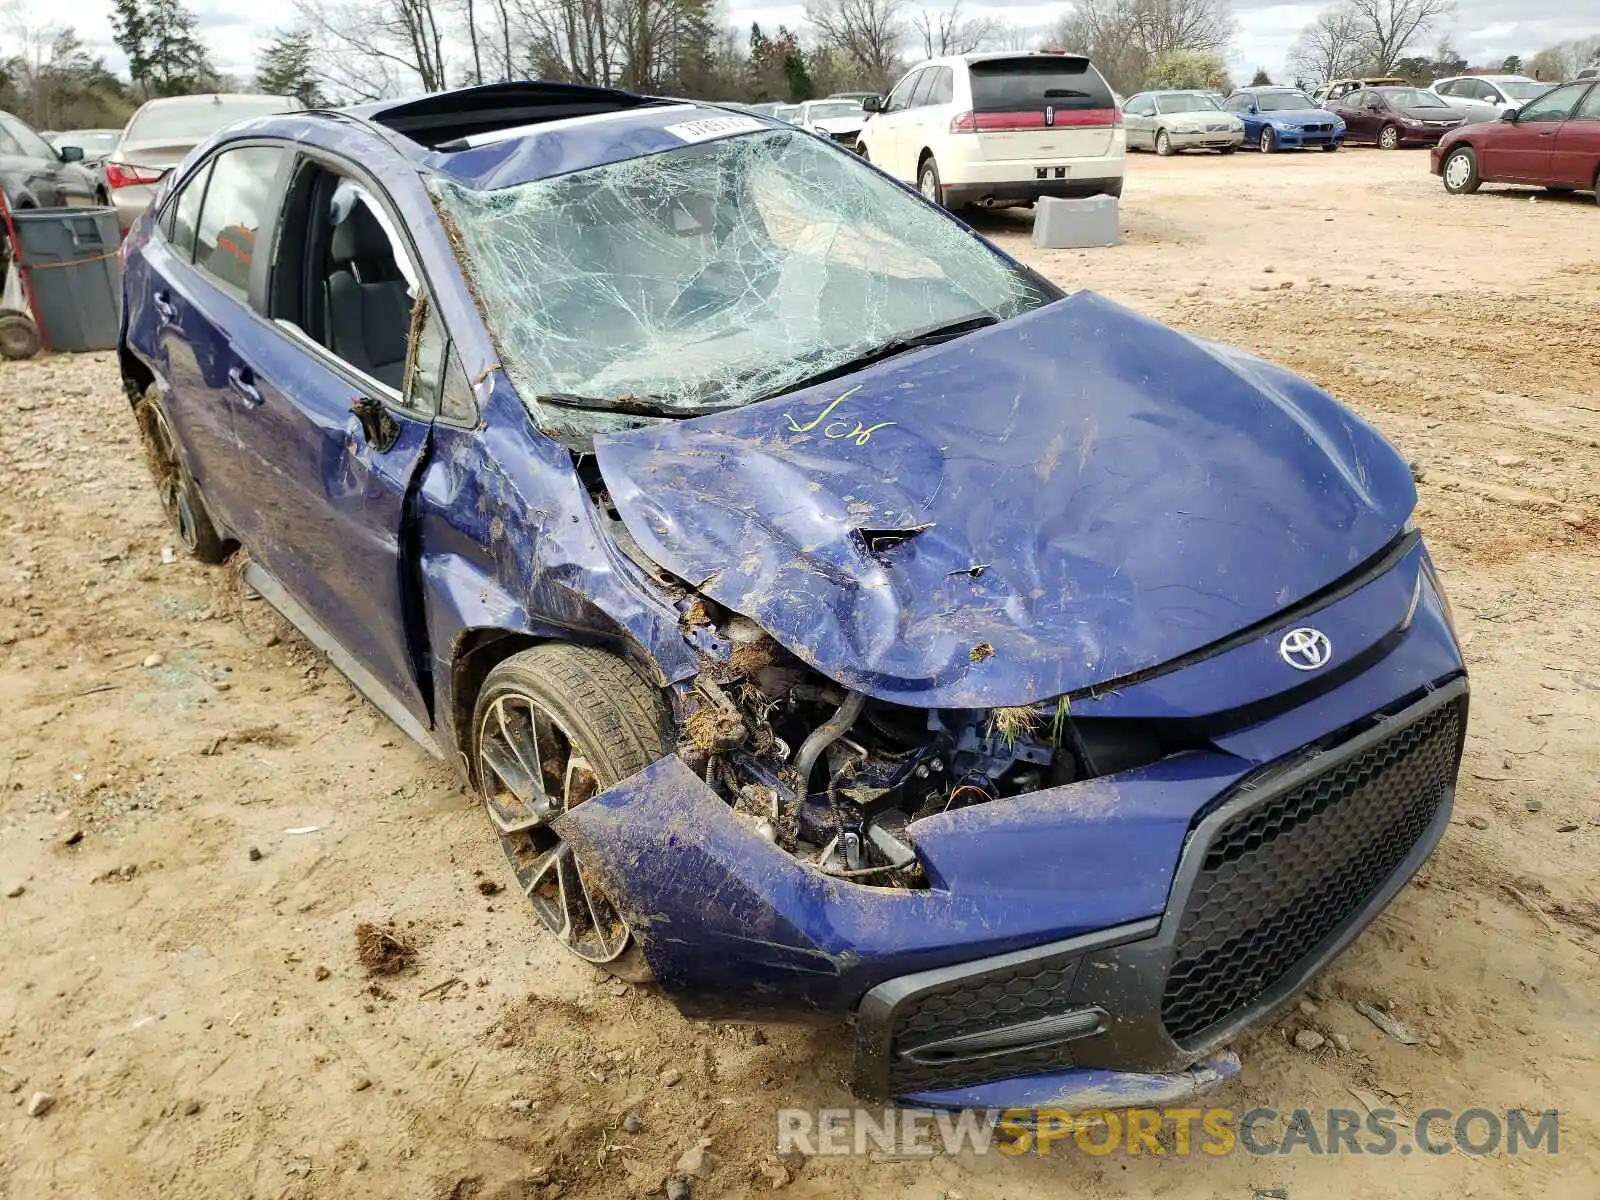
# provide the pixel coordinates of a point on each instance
(920, 94)
(1589, 110)
(183, 217)
(233, 211)
(1554, 106)
(1447, 88)
(345, 278)
(901, 96)
(1149, 106)
(944, 87)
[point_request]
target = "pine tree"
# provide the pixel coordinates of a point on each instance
(160, 39)
(1262, 79)
(285, 69)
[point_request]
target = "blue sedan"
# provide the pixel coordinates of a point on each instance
(831, 615)
(1277, 118)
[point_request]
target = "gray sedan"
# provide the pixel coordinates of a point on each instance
(1167, 122)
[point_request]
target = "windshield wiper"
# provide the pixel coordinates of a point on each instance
(917, 339)
(630, 406)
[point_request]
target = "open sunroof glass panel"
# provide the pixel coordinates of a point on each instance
(444, 121)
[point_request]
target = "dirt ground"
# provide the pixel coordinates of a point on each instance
(199, 811)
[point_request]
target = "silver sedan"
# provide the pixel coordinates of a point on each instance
(1169, 121)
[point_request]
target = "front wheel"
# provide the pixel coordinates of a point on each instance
(1389, 138)
(1460, 172)
(1268, 142)
(928, 182)
(1330, 147)
(553, 727)
(1227, 149)
(1164, 144)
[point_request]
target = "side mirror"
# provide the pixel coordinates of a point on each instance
(872, 104)
(1510, 114)
(70, 154)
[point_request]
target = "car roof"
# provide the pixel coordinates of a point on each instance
(1275, 87)
(506, 134)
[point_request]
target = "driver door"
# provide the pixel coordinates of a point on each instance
(890, 131)
(335, 434)
(1523, 151)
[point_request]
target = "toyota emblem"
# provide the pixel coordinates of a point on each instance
(1305, 649)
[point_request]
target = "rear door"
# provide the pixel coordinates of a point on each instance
(1037, 106)
(1522, 153)
(335, 436)
(1575, 161)
(1352, 112)
(200, 262)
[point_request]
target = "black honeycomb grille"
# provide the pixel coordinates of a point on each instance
(1007, 996)
(1280, 877)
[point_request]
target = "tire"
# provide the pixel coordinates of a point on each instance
(1330, 147)
(861, 149)
(587, 717)
(928, 182)
(1267, 143)
(1459, 172)
(1164, 145)
(1559, 191)
(1389, 138)
(1226, 149)
(1597, 187)
(175, 487)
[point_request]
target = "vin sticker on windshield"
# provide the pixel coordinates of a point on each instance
(714, 127)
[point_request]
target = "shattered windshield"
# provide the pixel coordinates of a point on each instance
(713, 276)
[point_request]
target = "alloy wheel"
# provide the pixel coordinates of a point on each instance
(1266, 139)
(1163, 144)
(530, 772)
(928, 185)
(1389, 138)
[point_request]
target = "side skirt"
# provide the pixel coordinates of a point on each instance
(317, 634)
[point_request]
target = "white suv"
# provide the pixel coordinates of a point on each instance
(999, 129)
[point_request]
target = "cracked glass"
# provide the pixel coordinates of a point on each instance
(712, 276)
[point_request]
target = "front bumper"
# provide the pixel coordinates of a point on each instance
(1424, 136)
(1274, 882)
(1295, 139)
(1206, 139)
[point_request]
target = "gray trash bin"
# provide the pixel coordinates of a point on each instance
(72, 262)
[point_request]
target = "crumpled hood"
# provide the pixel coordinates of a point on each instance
(1101, 494)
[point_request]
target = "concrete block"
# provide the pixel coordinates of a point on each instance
(1062, 224)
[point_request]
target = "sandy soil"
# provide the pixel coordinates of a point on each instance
(199, 811)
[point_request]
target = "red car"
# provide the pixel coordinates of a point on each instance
(1552, 142)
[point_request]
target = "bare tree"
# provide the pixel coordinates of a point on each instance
(1563, 61)
(371, 50)
(1009, 35)
(1388, 27)
(1125, 36)
(866, 32)
(946, 31)
(1331, 47)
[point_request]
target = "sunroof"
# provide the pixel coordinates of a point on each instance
(444, 121)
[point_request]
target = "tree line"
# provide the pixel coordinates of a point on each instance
(339, 51)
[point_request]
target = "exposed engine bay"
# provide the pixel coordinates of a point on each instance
(835, 777)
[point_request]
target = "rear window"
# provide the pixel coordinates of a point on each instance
(1036, 82)
(201, 118)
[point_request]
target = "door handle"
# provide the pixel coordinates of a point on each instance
(164, 306)
(243, 382)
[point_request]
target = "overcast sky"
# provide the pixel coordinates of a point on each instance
(1484, 31)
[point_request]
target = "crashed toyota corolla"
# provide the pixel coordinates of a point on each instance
(835, 617)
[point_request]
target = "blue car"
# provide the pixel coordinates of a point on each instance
(833, 617)
(1280, 118)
